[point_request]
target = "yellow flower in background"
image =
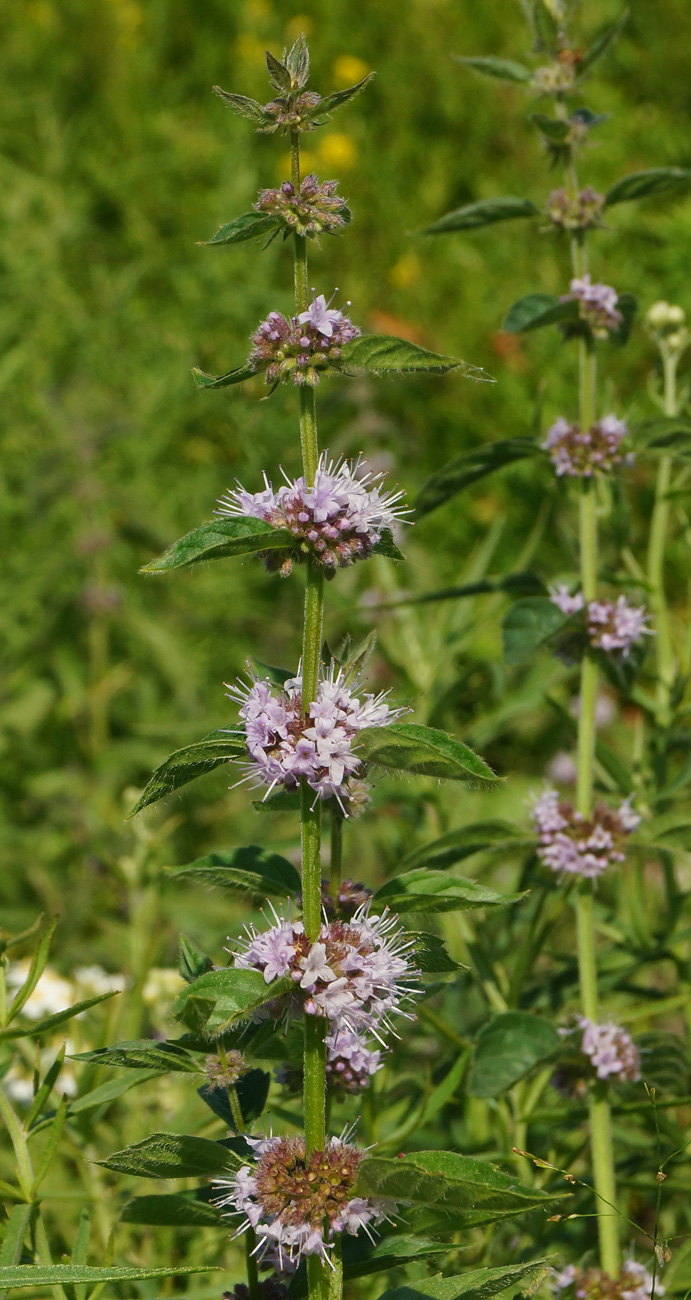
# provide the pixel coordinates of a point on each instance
(298, 25)
(337, 151)
(347, 70)
(257, 9)
(129, 19)
(249, 49)
(405, 271)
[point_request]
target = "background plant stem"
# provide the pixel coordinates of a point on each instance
(656, 554)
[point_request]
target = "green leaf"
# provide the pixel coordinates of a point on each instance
(279, 75)
(330, 103)
(508, 1047)
(538, 309)
(36, 969)
(517, 584)
(249, 226)
(281, 801)
(554, 129)
(248, 108)
(173, 1155)
(435, 891)
(236, 376)
(652, 183)
(187, 764)
(478, 837)
(387, 547)
(174, 1211)
(193, 962)
(430, 954)
(483, 213)
(145, 1054)
(361, 1257)
(219, 539)
(504, 69)
(602, 42)
(252, 871)
(467, 469)
(222, 998)
(298, 62)
(18, 1221)
(472, 1191)
(46, 1026)
(476, 1284)
(627, 305)
(39, 1275)
(665, 435)
(527, 625)
(423, 751)
(252, 1090)
(383, 354)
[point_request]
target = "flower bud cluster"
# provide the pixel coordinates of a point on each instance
(580, 846)
(297, 349)
(598, 305)
(633, 1283)
(611, 1050)
(338, 519)
(226, 1071)
(296, 1203)
(285, 746)
(352, 895)
(580, 212)
(555, 77)
(611, 626)
(580, 454)
(666, 323)
(291, 112)
(315, 208)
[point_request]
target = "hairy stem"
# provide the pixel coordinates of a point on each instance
(659, 523)
(336, 860)
(251, 1264)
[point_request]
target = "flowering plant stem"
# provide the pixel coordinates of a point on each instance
(656, 554)
(314, 1097)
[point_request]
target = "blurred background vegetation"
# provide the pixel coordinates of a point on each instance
(115, 160)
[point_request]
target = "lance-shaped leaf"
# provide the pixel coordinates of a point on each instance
(465, 841)
(476, 1284)
(528, 625)
(503, 69)
(248, 108)
(467, 469)
(436, 891)
(602, 42)
(484, 213)
(664, 435)
(40, 1275)
(279, 76)
(424, 751)
(430, 955)
(37, 1027)
(655, 182)
(218, 540)
(473, 1191)
(221, 998)
(183, 1210)
(145, 1054)
(518, 584)
(382, 354)
(187, 764)
(236, 376)
(329, 103)
(251, 225)
(18, 1220)
(508, 1047)
(173, 1155)
(252, 871)
(555, 129)
(538, 309)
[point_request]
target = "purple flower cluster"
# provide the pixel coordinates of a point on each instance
(580, 454)
(301, 347)
(350, 1061)
(311, 210)
(598, 306)
(284, 746)
(576, 845)
(611, 626)
(340, 518)
(356, 974)
(610, 1049)
(633, 1283)
(295, 1203)
(575, 212)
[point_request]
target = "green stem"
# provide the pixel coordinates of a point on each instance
(251, 1264)
(336, 862)
(659, 523)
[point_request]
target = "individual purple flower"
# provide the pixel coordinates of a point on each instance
(356, 974)
(350, 1061)
(562, 598)
(611, 1050)
(598, 305)
(580, 454)
(338, 519)
(575, 845)
(616, 626)
(576, 212)
(300, 348)
(295, 1203)
(283, 746)
(310, 210)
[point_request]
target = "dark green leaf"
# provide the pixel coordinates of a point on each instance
(248, 108)
(173, 1155)
(39, 1275)
(331, 102)
(187, 764)
(664, 435)
(436, 891)
(553, 128)
(51, 1022)
(654, 182)
(145, 1054)
(508, 1047)
(465, 841)
(252, 1090)
(255, 872)
(527, 625)
(475, 1192)
(236, 376)
(476, 1284)
(386, 546)
(219, 539)
(504, 69)
(467, 469)
(175, 1211)
(602, 42)
(538, 309)
(193, 962)
(518, 584)
(221, 998)
(626, 304)
(483, 213)
(383, 354)
(280, 801)
(430, 954)
(423, 751)
(249, 226)
(279, 76)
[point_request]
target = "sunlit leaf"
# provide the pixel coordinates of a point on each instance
(173, 1155)
(436, 891)
(187, 764)
(423, 751)
(250, 225)
(654, 182)
(252, 871)
(483, 213)
(503, 69)
(383, 354)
